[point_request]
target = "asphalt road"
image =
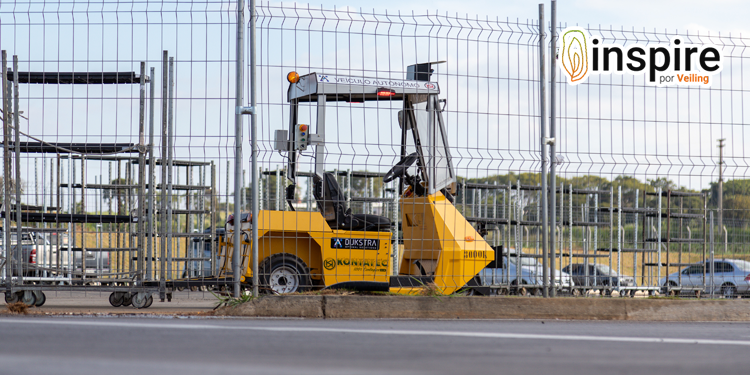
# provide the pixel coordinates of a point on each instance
(80, 345)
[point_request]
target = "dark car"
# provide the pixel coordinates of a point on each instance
(96, 261)
(597, 275)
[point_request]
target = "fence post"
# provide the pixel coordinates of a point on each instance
(240, 53)
(163, 208)
(552, 150)
(711, 219)
(543, 141)
(254, 147)
(17, 149)
(6, 172)
(151, 179)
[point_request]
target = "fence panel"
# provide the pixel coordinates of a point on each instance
(119, 119)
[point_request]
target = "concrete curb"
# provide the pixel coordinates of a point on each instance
(403, 307)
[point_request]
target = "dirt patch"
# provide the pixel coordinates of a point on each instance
(18, 308)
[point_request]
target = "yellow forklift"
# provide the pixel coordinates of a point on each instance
(334, 248)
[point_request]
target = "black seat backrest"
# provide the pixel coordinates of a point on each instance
(329, 197)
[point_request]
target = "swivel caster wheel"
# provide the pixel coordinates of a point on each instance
(40, 298)
(116, 299)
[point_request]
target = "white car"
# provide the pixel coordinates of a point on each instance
(731, 277)
(530, 274)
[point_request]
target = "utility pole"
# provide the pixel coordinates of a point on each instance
(721, 184)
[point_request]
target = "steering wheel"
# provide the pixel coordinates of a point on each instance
(400, 168)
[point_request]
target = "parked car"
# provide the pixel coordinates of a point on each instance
(598, 275)
(731, 277)
(41, 256)
(26, 255)
(49, 258)
(523, 266)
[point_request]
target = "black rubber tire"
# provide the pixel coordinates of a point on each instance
(11, 298)
(149, 301)
(127, 299)
(516, 290)
(291, 264)
(670, 284)
(513, 290)
(116, 299)
(28, 301)
(139, 303)
(729, 291)
(41, 298)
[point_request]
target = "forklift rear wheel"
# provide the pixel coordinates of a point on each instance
(284, 273)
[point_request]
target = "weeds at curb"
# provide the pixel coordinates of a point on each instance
(429, 289)
(230, 301)
(18, 308)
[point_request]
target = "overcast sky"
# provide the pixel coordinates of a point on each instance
(116, 46)
(696, 15)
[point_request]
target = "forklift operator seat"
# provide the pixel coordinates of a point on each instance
(331, 203)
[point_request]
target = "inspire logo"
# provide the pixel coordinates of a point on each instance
(575, 55)
(582, 55)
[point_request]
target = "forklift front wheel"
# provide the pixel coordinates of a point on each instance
(284, 273)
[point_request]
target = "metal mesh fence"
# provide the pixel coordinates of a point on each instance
(396, 152)
(119, 120)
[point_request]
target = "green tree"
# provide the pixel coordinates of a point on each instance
(740, 187)
(118, 194)
(737, 207)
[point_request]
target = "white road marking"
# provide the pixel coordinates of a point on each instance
(395, 332)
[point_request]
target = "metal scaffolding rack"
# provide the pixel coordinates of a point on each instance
(31, 288)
